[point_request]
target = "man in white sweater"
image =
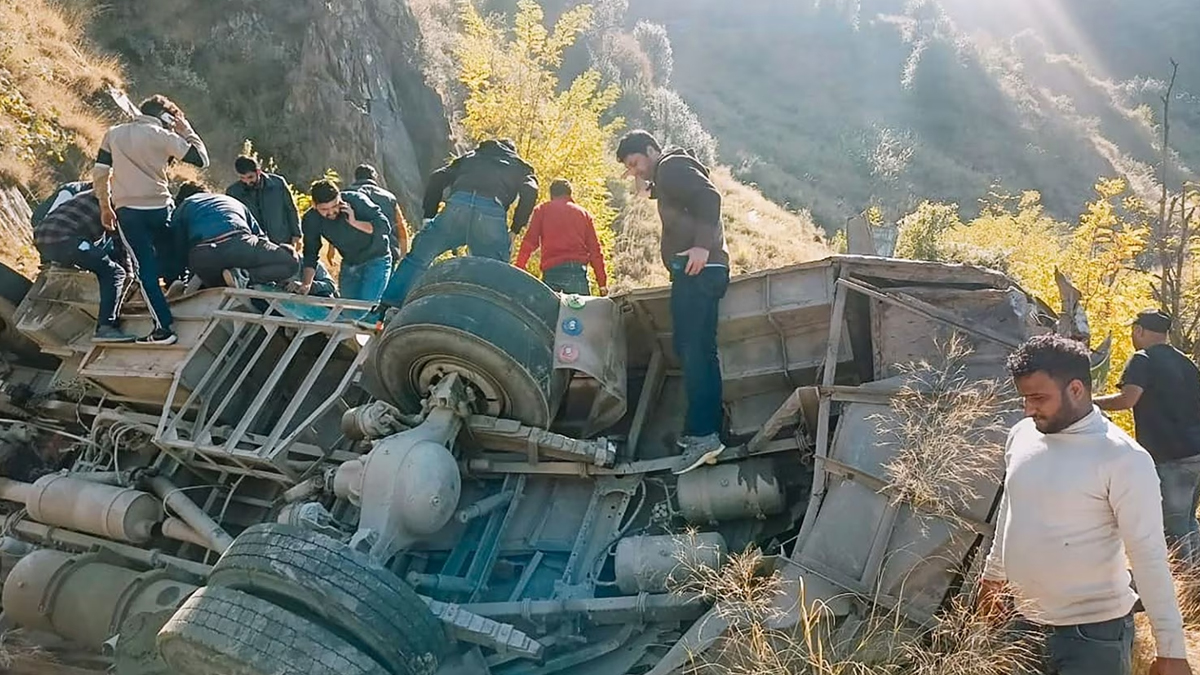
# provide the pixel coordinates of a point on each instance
(1080, 496)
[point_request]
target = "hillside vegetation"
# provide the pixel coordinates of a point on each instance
(52, 95)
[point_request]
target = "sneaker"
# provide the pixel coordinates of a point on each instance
(159, 337)
(700, 450)
(176, 289)
(112, 334)
(193, 285)
(235, 277)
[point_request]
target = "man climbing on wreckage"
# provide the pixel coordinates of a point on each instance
(482, 185)
(1081, 501)
(224, 243)
(693, 249)
(73, 235)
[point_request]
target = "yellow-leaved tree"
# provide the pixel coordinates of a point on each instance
(1100, 255)
(514, 90)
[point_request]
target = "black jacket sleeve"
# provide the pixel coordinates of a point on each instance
(311, 226)
(290, 214)
(438, 182)
(527, 195)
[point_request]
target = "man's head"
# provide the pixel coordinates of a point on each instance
(365, 172)
(247, 170)
(187, 189)
(560, 188)
(326, 198)
(1151, 327)
(1053, 375)
(639, 152)
(158, 104)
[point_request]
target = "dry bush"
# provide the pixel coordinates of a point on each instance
(759, 234)
(750, 598)
(49, 82)
(946, 428)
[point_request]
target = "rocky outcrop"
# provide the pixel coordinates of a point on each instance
(315, 85)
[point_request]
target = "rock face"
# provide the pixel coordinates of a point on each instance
(315, 85)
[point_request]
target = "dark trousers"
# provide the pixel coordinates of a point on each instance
(264, 261)
(567, 278)
(1104, 648)
(468, 220)
(99, 258)
(146, 237)
(694, 302)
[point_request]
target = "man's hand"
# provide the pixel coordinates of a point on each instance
(1162, 666)
(180, 126)
(990, 604)
(603, 291)
(697, 259)
(108, 217)
(299, 288)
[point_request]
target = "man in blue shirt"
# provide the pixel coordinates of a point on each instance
(224, 242)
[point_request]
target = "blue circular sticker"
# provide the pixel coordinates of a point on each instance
(572, 326)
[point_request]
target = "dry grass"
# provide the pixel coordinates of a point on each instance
(759, 234)
(14, 646)
(947, 431)
(50, 83)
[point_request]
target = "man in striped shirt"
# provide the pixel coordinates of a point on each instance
(72, 235)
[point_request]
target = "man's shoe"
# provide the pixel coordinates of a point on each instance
(176, 289)
(235, 277)
(159, 337)
(700, 450)
(112, 334)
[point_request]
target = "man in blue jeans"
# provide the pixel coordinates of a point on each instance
(72, 235)
(1162, 386)
(693, 249)
(482, 185)
(356, 229)
(130, 178)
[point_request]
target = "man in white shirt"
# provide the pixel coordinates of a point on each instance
(1080, 496)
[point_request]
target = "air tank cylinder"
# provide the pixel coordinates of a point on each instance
(87, 599)
(651, 564)
(107, 511)
(733, 491)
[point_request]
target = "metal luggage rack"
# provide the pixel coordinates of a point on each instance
(242, 402)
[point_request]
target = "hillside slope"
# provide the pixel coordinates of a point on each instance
(833, 106)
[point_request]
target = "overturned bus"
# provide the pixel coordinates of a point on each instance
(486, 486)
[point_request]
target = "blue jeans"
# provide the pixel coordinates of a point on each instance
(567, 278)
(149, 243)
(1179, 481)
(365, 281)
(98, 258)
(478, 223)
(694, 303)
(1103, 648)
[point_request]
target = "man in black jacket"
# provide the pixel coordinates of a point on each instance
(482, 185)
(269, 200)
(693, 249)
(366, 181)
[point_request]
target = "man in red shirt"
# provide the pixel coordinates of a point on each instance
(567, 236)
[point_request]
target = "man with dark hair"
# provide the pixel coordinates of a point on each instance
(269, 200)
(567, 236)
(62, 194)
(225, 245)
(356, 229)
(131, 171)
(1080, 499)
(1162, 386)
(366, 181)
(693, 249)
(72, 235)
(482, 185)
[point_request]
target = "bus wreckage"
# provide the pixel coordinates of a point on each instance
(484, 487)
